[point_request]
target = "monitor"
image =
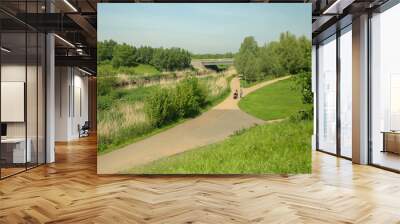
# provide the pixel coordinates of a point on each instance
(3, 129)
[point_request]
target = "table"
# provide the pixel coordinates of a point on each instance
(13, 150)
(391, 141)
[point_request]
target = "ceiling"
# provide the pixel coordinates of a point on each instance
(75, 21)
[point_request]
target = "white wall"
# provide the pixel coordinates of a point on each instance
(62, 82)
(70, 83)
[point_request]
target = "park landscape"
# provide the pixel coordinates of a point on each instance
(169, 110)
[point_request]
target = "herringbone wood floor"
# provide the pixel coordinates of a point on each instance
(69, 191)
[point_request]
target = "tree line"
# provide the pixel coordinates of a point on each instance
(288, 55)
(164, 59)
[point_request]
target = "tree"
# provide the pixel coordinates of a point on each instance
(290, 53)
(245, 60)
(105, 50)
(144, 54)
(305, 58)
(268, 60)
(124, 55)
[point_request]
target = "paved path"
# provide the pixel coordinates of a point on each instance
(212, 126)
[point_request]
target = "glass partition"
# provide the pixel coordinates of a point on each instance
(385, 89)
(22, 101)
(14, 153)
(346, 92)
(327, 95)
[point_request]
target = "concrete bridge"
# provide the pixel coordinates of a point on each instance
(223, 61)
(202, 64)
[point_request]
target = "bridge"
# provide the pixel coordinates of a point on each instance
(223, 61)
(202, 64)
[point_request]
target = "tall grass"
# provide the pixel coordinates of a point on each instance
(121, 111)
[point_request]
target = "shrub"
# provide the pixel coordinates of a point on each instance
(302, 82)
(185, 100)
(105, 85)
(104, 102)
(106, 69)
(160, 108)
(302, 115)
(190, 96)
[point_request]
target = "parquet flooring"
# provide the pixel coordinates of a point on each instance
(70, 191)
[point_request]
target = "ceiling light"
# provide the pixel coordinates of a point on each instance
(70, 5)
(5, 50)
(65, 41)
(86, 72)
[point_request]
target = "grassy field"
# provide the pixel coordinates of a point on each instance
(146, 69)
(275, 148)
(275, 101)
(122, 119)
(282, 147)
(106, 69)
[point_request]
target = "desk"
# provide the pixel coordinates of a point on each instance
(391, 141)
(13, 150)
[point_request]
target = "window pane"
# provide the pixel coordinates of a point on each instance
(386, 89)
(327, 96)
(346, 92)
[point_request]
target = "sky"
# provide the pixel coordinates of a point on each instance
(200, 28)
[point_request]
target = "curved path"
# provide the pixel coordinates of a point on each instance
(212, 126)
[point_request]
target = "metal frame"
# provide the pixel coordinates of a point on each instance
(337, 34)
(44, 75)
(387, 5)
(338, 75)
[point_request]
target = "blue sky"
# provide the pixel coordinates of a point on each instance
(200, 28)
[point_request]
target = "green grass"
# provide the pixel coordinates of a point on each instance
(275, 101)
(139, 133)
(106, 69)
(273, 148)
(132, 134)
(143, 69)
(282, 147)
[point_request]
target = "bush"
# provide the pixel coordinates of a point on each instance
(104, 103)
(185, 100)
(105, 85)
(302, 115)
(302, 82)
(160, 107)
(190, 97)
